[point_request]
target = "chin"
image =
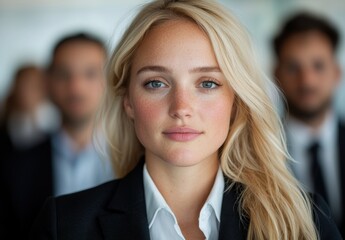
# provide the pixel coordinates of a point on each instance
(184, 159)
(77, 119)
(309, 111)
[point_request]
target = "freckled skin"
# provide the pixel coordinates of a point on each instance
(182, 100)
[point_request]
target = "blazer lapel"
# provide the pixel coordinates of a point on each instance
(231, 226)
(125, 216)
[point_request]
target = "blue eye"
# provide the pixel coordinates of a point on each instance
(209, 84)
(155, 84)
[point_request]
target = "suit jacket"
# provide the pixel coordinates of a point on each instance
(6, 144)
(26, 182)
(117, 211)
(341, 147)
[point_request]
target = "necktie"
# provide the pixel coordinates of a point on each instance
(316, 172)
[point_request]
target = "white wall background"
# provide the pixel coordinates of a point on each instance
(30, 28)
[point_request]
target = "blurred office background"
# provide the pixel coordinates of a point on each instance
(29, 28)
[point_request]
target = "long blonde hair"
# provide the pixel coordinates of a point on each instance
(254, 153)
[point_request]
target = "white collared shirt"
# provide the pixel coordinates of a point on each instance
(162, 221)
(300, 137)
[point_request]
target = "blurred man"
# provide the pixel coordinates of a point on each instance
(308, 74)
(67, 161)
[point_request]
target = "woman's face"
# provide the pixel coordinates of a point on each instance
(178, 98)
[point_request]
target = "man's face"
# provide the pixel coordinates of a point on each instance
(76, 80)
(307, 74)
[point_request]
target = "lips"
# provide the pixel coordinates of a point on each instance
(182, 134)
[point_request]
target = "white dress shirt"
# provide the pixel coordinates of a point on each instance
(162, 221)
(300, 137)
(77, 170)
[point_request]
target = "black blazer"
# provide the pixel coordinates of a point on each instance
(116, 210)
(6, 144)
(26, 182)
(341, 147)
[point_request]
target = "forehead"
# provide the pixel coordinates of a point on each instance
(174, 42)
(79, 52)
(307, 44)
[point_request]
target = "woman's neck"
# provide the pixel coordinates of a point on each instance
(185, 189)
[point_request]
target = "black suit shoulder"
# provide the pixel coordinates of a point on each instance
(324, 223)
(114, 210)
(74, 216)
(29, 169)
(88, 202)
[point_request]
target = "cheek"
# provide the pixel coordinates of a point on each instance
(224, 111)
(98, 91)
(219, 115)
(327, 89)
(288, 84)
(146, 109)
(147, 115)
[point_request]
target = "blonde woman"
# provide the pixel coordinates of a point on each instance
(187, 108)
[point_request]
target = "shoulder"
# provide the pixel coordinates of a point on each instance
(38, 151)
(28, 163)
(110, 208)
(323, 220)
(4, 136)
(341, 128)
(87, 201)
(75, 214)
(44, 144)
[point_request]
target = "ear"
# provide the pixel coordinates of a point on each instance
(128, 107)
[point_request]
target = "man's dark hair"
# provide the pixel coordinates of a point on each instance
(305, 22)
(80, 37)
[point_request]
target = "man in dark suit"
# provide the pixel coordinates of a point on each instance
(67, 161)
(308, 74)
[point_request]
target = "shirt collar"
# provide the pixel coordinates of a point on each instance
(216, 195)
(328, 131)
(302, 134)
(153, 198)
(155, 201)
(63, 146)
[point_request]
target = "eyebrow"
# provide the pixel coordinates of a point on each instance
(205, 69)
(162, 69)
(153, 69)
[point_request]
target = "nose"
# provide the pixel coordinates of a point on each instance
(181, 104)
(75, 84)
(308, 77)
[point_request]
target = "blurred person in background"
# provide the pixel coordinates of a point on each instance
(67, 161)
(28, 116)
(308, 75)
